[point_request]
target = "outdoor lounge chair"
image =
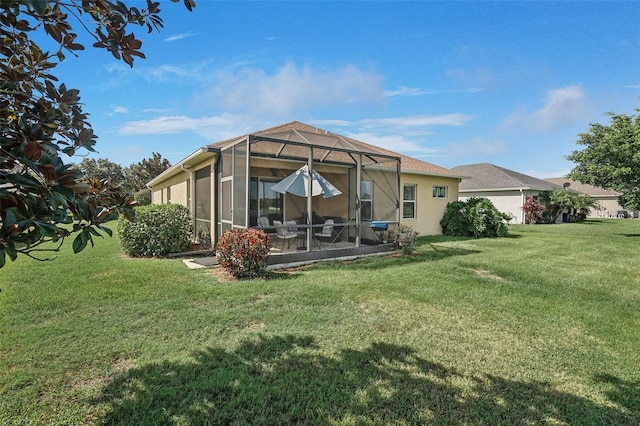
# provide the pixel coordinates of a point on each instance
(286, 232)
(326, 234)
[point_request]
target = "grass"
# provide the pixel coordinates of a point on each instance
(542, 327)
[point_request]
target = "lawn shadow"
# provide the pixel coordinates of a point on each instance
(628, 235)
(287, 380)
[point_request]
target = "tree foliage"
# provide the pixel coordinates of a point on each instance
(560, 201)
(132, 178)
(137, 175)
(42, 120)
(611, 158)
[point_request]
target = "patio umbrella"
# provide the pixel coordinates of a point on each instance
(297, 183)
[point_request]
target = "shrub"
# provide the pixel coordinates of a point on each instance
(476, 217)
(244, 252)
(143, 197)
(532, 210)
(158, 229)
(404, 237)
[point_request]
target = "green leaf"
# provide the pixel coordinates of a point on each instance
(3, 260)
(106, 230)
(79, 243)
(46, 229)
(38, 6)
(23, 180)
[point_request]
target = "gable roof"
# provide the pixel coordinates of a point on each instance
(488, 177)
(591, 190)
(304, 133)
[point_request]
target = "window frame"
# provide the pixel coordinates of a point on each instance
(439, 191)
(413, 201)
(368, 201)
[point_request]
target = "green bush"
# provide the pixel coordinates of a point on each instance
(476, 217)
(158, 229)
(143, 197)
(244, 252)
(404, 237)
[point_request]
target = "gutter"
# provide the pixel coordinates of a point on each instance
(196, 157)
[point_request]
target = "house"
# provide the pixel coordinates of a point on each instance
(229, 185)
(607, 199)
(505, 188)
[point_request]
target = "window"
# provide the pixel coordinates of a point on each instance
(439, 192)
(366, 200)
(263, 201)
(409, 201)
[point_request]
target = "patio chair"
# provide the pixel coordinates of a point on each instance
(286, 232)
(263, 222)
(326, 234)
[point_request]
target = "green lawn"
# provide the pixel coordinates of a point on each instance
(542, 327)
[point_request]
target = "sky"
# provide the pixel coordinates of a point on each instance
(450, 83)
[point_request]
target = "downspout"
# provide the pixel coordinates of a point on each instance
(216, 199)
(521, 206)
(192, 192)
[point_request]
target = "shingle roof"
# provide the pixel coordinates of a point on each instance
(485, 176)
(591, 190)
(320, 137)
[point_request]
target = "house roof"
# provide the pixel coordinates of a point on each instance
(302, 133)
(327, 145)
(488, 177)
(591, 190)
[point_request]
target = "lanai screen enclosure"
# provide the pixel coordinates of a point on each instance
(248, 168)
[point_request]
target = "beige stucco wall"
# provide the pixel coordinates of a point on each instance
(608, 207)
(509, 202)
(429, 210)
(177, 188)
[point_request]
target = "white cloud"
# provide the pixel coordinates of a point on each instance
(179, 36)
(119, 109)
(417, 121)
(397, 143)
(213, 128)
(292, 89)
(403, 91)
(408, 91)
(563, 106)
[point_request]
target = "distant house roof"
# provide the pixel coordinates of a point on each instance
(591, 190)
(305, 133)
(488, 177)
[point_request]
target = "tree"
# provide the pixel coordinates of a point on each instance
(137, 175)
(102, 169)
(42, 120)
(560, 201)
(611, 158)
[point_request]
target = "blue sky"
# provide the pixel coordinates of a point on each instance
(451, 83)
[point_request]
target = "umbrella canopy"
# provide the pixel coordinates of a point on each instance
(297, 183)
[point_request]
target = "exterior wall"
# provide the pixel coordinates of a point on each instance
(173, 190)
(179, 187)
(509, 202)
(609, 207)
(429, 210)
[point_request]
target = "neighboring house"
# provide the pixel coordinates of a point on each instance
(505, 188)
(228, 185)
(607, 199)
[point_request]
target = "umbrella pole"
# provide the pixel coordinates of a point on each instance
(310, 200)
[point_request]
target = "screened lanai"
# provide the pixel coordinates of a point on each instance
(367, 183)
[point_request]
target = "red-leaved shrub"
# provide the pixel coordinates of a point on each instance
(244, 252)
